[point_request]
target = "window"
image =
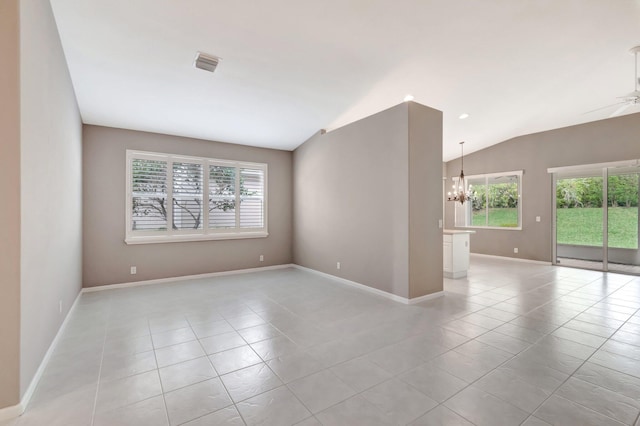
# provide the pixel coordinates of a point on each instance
(496, 202)
(178, 198)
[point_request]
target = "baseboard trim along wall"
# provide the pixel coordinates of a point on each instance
(8, 413)
(184, 278)
(17, 410)
(368, 289)
(268, 268)
(515, 259)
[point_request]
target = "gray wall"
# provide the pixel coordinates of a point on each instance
(425, 202)
(353, 200)
(596, 142)
(10, 211)
(51, 186)
(107, 259)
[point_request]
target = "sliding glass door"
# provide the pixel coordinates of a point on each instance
(622, 220)
(596, 217)
(579, 219)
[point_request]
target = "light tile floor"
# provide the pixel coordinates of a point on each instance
(514, 343)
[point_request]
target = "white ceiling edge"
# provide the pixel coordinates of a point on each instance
(290, 68)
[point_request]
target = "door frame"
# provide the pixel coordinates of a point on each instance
(555, 171)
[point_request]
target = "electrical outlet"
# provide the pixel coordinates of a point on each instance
(60, 306)
(440, 223)
(338, 265)
(261, 258)
(537, 218)
(515, 249)
(134, 270)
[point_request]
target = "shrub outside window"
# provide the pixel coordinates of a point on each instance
(495, 203)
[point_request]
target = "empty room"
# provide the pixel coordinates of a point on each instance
(319, 213)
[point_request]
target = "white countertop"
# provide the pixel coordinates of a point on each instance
(457, 231)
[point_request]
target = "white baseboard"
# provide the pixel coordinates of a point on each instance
(17, 410)
(425, 297)
(515, 259)
(184, 278)
(11, 412)
(368, 289)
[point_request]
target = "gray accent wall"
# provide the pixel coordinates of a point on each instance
(51, 187)
(425, 202)
(360, 200)
(10, 211)
(602, 141)
(106, 257)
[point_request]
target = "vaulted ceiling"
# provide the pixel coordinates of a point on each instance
(292, 67)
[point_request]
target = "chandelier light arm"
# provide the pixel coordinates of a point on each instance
(460, 192)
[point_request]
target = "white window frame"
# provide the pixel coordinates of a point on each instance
(462, 215)
(170, 235)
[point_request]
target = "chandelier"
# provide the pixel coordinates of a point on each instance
(460, 192)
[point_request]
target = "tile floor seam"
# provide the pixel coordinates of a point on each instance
(95, 399)
(574, 371)
(219, 377)
(500, 365)
(212, 412)
(581, 288)
(438, 403)
(164, 400)
(333, 405)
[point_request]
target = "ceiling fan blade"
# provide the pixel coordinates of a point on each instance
(633, 95)
(621, 109)
(604, 107)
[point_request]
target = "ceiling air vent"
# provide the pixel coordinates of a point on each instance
(206, 62)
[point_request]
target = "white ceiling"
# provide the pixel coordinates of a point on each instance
(292, 67)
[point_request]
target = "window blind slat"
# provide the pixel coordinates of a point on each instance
(252, 198)
(187, 195)
(222, 197)
(149, 195)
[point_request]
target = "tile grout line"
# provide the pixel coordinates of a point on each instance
(489, 330)
(514, 356)
(445, 313)
(579, 367)
(219, 376)
(104, 342)
(504, 322)
(153, 346)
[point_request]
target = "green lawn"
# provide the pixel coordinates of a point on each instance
(583, 226)
(502, 217)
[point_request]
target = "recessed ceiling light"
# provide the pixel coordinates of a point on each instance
(463, 116)
(206, 62)
(408, 98)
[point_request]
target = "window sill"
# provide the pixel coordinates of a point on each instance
(493, 228)
(147, 239)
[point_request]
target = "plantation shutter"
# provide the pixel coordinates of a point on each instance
(187, 195)
(222, 197)
(148, 195)
(173, 198)
(251, 198)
